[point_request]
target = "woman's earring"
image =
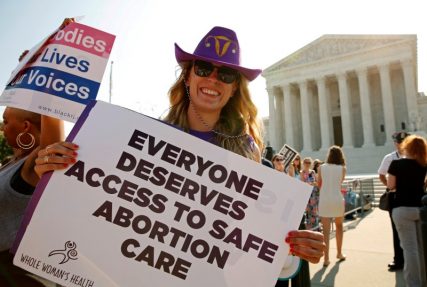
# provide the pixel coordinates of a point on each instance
(187, 90)
(24, 145)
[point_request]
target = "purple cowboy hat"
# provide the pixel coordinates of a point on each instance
(219, 46)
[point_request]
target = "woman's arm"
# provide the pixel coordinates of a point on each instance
(52, 130)
(391, 182)
(291, 170)
(319, 177)
(344, 171)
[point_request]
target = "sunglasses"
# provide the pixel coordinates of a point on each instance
(278, 159)
(224, 74)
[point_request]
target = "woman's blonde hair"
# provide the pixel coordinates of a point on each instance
(239, 116)
(416, 147)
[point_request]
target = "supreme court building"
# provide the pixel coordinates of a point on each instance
(350, 90)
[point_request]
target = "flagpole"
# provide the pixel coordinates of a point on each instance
(111, 82)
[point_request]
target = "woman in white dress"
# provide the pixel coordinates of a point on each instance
(331, 201)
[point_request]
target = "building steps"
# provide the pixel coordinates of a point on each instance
(370, 184)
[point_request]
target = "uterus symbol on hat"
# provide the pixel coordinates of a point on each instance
(226, 43)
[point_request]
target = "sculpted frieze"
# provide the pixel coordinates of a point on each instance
(333, 47)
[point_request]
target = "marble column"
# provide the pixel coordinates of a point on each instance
(368, 130)
(347, 127)
(287, 108)
(410, 93)
(272, 117)
(388, 105)
(305, 117)
(325, 123)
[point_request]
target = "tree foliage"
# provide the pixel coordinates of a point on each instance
(5, 149)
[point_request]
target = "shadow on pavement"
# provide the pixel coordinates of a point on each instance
(351, 223)
(329, 279)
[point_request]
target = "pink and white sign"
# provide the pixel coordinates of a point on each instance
(60, 75)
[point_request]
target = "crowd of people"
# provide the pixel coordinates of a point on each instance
(211, 100)
(326, 203)
(404, 171)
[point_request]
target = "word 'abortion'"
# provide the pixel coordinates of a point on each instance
(179, 240)
(161, 232)
(154, 173)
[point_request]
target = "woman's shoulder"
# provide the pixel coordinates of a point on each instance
(12, 166)
(251, 141)
(413, 163)
(332, 166)
(404, 162)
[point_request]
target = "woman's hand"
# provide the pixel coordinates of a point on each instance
(66, 22)
(306, 244)
(291, 170)
(55, 156)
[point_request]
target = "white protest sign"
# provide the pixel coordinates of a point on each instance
(288, 155)
(149, 205)
(61, 74)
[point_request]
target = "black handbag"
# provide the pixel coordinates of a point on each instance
(385, 200)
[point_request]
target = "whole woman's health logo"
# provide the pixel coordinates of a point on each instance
(69, 252)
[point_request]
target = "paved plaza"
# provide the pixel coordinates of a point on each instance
(369, 248)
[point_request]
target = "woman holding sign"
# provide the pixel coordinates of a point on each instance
(26, 132)
(211, 101)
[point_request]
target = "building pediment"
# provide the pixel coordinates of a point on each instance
(333, 46)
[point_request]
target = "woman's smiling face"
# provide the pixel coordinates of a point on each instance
(209, 94)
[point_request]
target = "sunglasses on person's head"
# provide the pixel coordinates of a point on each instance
(224, 74)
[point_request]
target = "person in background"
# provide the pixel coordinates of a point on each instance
(267, 158)
(407, 178)
(398, 258)
(316, 163)
(268, 153)
(309, 176)
(210, 100)
(295, 167)
(278, 163)
(331, 200)
(302, 278)
(266, 162)
(26, 132)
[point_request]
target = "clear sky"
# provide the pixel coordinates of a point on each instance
(143, 54)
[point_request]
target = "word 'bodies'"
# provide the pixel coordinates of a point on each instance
(59, 76)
